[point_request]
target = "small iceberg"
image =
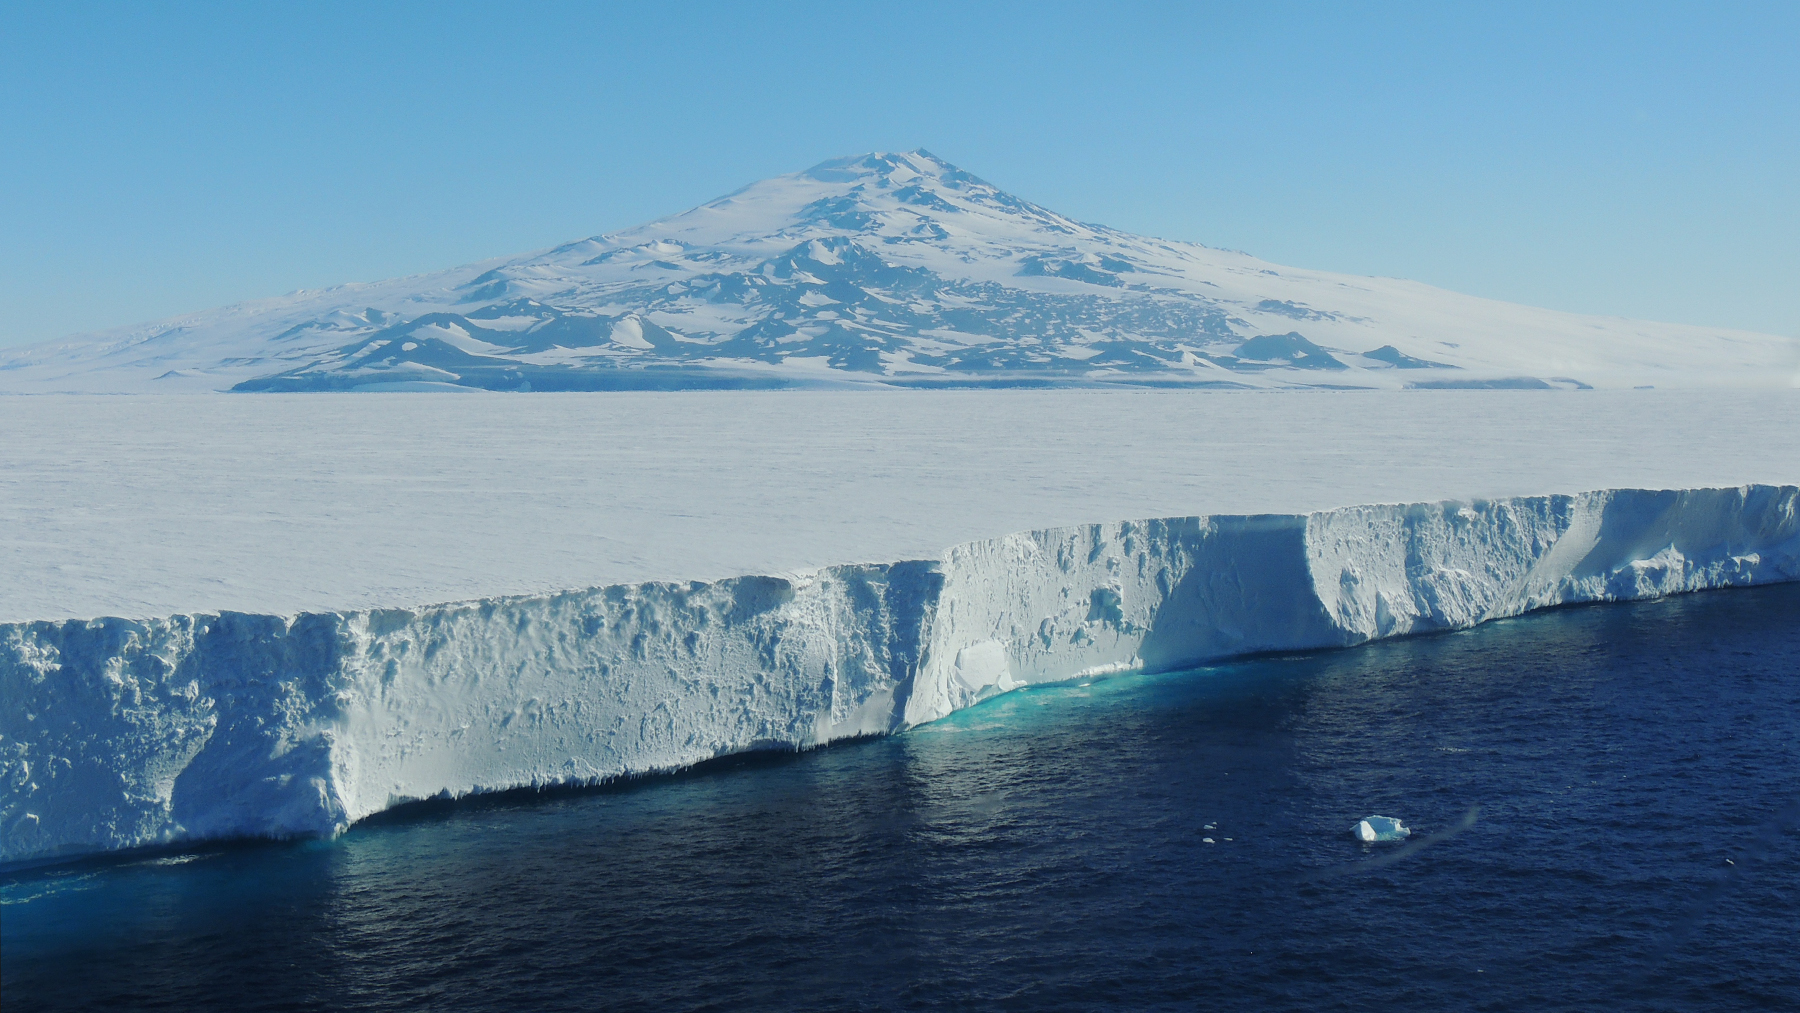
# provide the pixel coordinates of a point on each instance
(1380, 828)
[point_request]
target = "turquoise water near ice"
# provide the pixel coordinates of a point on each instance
(1606, 805)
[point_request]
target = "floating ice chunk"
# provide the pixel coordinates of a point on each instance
(1380, 828)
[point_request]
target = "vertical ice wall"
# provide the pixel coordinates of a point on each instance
(1054, 604)
(1063, 602)
(115, 733)
(120, 732)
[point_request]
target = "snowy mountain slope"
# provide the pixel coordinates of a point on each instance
(891, 269)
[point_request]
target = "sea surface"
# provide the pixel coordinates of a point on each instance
(1606, 805)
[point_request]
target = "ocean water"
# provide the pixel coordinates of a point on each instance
(1606, 804)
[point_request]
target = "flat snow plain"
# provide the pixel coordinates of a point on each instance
(149, 506)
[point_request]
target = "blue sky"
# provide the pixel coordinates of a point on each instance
(1632, 159)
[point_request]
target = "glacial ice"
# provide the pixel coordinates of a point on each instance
(122, 732)
(1380, 828)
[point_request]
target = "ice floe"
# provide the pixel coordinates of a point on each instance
(1380, 828)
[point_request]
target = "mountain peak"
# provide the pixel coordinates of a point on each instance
(892, 169)
(887, 197)
(893, 269)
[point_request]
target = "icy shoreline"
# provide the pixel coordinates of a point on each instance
(117, 733)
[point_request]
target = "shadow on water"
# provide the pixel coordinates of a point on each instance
(771, 758)
(422, 811)
(1577, 780)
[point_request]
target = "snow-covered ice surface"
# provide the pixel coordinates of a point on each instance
(891, 269)
(145, 507)
(184, 721)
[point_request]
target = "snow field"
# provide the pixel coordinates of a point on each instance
(145, 507)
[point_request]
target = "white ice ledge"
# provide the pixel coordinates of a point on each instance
(116, 733)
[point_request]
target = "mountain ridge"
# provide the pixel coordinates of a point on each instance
(889, 270)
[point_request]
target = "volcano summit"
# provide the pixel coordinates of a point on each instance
(886, 270)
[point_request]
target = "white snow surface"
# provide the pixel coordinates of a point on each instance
(169, 723)
(887, 268)
(146, 507)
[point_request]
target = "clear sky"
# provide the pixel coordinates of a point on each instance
(1638, 159)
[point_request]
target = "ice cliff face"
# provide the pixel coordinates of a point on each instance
(893, 269)
(116, 733)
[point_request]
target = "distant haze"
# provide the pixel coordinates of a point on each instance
(1628, 161)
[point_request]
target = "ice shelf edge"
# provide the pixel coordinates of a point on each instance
(119, 733)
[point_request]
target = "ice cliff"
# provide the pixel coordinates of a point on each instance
(116, 733)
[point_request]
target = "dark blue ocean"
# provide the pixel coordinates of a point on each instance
(1606, 802)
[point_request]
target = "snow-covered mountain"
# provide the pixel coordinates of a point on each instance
(887, 269)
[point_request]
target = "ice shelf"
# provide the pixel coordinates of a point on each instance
(117, 733)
